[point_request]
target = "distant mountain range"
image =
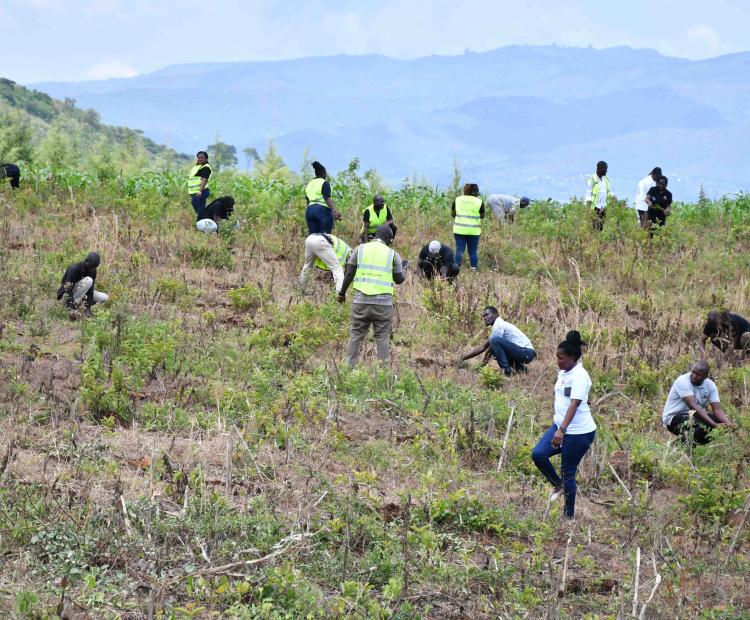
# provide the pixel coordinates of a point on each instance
(519, 119)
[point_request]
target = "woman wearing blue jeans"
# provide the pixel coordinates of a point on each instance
(573, 430)
(468, 212)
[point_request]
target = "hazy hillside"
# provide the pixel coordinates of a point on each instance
(501, 113)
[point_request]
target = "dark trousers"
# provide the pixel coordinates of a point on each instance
(572, 450)
(510, 355)
(199, 202)
(467, 241)
(428, 270)
(680, 425)
(599, 217)
(657, 216)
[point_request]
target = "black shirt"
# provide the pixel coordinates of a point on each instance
(443, 258)
(75, 273)
(730, 328)
(204, 172)
(660, 198)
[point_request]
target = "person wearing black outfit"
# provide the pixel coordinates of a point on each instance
(725, 330)
(77, 284)
(438, 259)
(219, 209)
(659, 201)
(11, 172)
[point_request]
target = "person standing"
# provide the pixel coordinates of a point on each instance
(437, 260)
(467, 211)
(504, 206)
(373, 216)
(597, 193)
(692, 393)
(573, 430)
(374, 269)
(639, 202)
(198, 183)
(77, 284)
(12, 173)
(507, 344)
(659, 201)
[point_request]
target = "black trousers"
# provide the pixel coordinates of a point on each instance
(680, 425)
(428, 270)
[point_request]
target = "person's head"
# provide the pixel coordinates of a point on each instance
(662, 183)
(601, 168)
(656, 174)
(434, 247)
(201, 158)
(471, 189)
(524, 202)
(713, 318)
(92, 260)
(385, 234)
(569, 351)
(699, 372)
(490, 315)
(319, 169)
(378, 202)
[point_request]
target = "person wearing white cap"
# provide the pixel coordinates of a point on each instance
(438, 259)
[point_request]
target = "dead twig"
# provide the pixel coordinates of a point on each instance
(505, 439)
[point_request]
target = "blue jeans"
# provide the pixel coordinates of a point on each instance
(509, 354)
(199, 202)
(462, 241)
(573, 448)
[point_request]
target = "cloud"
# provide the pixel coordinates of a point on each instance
(706, 35)
(110, 69)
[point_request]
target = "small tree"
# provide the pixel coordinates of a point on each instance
(272, 166)
(251, 156)
(222, 155)
(16, 138)
(703, 200)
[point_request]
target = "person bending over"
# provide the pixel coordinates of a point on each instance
(77, 285)
(437, 260)
(725, 329)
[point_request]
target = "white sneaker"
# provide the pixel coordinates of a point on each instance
(556, 494)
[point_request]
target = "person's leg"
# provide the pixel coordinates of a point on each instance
(382, 321)
(325, 252)
(81, 288)
(310, 247)
(453, 272)
(643, 219)
(680, 425)
(357, 332)
(100, 298)
(506, 352)
(701, 430)
(522, 357)
(473, 244)
(541, 455)
(573, 449)
(599, 215)
(426, 268)
(460, 247)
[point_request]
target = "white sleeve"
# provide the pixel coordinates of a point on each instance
(683, 387)
(713, 394)
(579, 388)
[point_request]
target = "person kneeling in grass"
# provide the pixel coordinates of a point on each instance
(573, 430)
(77, 285)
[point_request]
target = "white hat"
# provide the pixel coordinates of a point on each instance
(434, 247)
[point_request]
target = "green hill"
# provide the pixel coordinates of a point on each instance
(37, 129)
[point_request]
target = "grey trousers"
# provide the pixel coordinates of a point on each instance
(381, 319)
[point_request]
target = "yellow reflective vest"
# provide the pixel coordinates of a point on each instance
(194, 182)
(342, 250)
(374, 269)
(595, 185)
(314, 191)
(468, 221)
(376, 219)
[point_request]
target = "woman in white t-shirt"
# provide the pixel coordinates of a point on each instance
(573, 430)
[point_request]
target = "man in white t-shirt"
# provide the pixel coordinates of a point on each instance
(639, 202)
(504, 206)
(690, 394)
(509, 345)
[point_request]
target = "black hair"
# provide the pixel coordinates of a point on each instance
(202, 153)
(665, 179)
(572, 344)
(471, 189)
(320, 170)
(656, 170)
(492, 309)
(601, 164)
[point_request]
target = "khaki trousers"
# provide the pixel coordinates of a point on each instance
(381, 319)
(317, 246)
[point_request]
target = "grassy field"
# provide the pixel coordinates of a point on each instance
(198, 448)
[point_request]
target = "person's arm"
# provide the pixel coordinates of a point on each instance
(668, 207)
(476, 351)
(481, 211)
(453, 210)
(649, 199)
(204, 180)
(397, 269)
(444, 271)
(365, 236)
(351, 270)
(326, 189)
(388, 216)
(557, 438)
(700, 411)
(720, 414)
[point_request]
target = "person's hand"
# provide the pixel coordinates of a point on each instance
(557, 438)
(340, 298)
(336, 214)
(404, 264)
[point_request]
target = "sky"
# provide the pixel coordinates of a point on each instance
(66, 40)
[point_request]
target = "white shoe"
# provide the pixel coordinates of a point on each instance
(556, 494)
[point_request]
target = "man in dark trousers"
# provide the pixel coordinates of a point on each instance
(438, 259)
(77, 284)
(725, 330)
(12, 173)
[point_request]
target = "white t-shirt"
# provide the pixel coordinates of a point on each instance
(704, 393)
(574, 384)
(502, 204)
(639, 203)
(601, 197)
(503, 329)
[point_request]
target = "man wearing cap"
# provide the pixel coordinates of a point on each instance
(507, 344)
(77, 284)
(375, 269)
(437, 259)
(639, 202)
(504, 206)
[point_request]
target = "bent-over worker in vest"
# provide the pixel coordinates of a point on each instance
(468, 212)
(320, 250)
(374, 269)
(77, 284)
(375, 215)
(598, 193)
(198, 183)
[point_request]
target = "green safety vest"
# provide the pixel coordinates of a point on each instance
(194, 182)
(468, 221)
(595, 189)
(376, 219)
(374, 269)
(314, 191)
(340, 247)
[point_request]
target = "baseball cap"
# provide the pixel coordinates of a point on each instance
(434, 246)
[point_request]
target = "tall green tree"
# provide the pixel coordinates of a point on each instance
(222, 155)
(272, 167)
(16, 138)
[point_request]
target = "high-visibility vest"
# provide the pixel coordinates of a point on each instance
(314, 191)
(595, 189)
(374, 269)
(342, 250)
(468, 221)
(194, 182)
(376, 219)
